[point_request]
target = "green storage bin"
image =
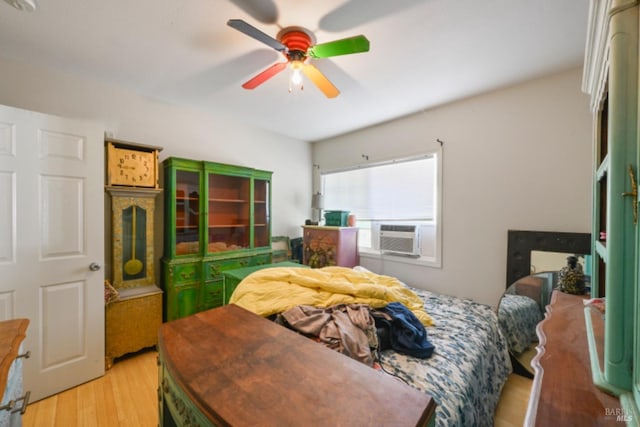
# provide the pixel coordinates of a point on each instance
(336, 218)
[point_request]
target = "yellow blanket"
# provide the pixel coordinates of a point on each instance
(274, 290)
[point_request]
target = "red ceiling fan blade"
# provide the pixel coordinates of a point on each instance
(346, 46)
(321, 81)
(265, 75)
(252, 31)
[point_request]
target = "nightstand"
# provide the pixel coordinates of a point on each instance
(330, 246)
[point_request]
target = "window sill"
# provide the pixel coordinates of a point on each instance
(421, 261)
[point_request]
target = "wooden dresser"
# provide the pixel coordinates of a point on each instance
(563, 392)
(14, 401)
(228, 366)
(328, 246)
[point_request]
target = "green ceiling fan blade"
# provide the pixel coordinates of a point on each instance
(346, 46)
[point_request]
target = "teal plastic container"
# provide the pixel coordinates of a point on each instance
(336, 218)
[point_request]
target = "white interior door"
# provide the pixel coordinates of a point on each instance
(51, 232)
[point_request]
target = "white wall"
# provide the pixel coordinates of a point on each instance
(181, 132)
(517, 158)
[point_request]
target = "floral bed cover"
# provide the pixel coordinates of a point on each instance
(469, 366)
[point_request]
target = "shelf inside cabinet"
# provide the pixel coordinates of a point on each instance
(601, 172)
(226, 188)
(228, 200)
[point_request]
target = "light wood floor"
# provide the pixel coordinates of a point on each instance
(127, 396)
(512, 406)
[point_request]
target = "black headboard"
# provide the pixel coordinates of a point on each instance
(521, 243)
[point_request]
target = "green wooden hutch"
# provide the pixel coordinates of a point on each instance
(611, 78)
(217, 218)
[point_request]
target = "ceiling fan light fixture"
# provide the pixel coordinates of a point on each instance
(296, 73)
(295, 79)
(26, 5)
(297, 44)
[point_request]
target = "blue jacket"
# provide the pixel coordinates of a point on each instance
(408, 335)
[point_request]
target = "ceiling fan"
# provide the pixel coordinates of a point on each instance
(298, 46)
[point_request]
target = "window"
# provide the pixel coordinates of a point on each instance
(401, 191)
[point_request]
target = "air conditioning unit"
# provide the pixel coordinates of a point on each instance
(400, 239)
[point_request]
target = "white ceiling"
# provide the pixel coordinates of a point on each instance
(423, 52)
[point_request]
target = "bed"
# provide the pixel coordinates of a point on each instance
(518, 316)
(469, 366)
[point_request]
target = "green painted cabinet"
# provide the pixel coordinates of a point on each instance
(233, 277)
(611, 78)
(217, 218)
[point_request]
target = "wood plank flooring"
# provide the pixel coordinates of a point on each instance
(512, 406)
(127, 396)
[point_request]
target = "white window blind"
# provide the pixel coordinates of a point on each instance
(401, 190)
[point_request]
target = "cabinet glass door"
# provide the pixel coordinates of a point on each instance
(228, 213)
(261, 213)
(187, 212)
(599, 268)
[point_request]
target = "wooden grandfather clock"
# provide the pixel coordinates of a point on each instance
(133, 319)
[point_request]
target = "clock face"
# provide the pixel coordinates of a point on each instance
(131, 167)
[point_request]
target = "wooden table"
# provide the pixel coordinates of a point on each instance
(563, 392)
(228, 366)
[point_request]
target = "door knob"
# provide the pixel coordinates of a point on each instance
(94, 266)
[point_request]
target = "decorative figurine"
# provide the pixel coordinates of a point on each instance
(571, 277)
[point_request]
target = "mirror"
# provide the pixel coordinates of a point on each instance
(534, 259)
(542, 261)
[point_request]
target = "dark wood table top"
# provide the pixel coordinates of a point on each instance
(563, 384)
(243, 370)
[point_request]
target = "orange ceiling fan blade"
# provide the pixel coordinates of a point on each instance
(321, 81)
(265, 75)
